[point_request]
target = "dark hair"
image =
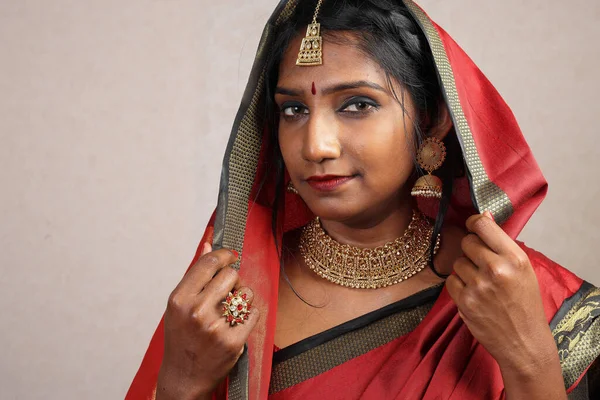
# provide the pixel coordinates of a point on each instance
(385, 31)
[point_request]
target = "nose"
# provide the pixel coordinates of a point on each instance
(321, 140)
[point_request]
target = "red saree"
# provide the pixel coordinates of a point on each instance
(439, 358)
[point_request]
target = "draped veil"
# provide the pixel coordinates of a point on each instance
(501, 176)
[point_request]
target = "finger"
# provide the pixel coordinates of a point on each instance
(466, 271)
(236, 335)
(204, 269)
(226, 280)
(477, 251)
(206, 248)
(491, 234)
(244, 290)
(250, 323)
(455, 286)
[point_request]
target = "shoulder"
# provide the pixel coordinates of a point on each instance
(554, 280)
(556, 283)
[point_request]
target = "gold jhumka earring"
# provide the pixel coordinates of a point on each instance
(311, 49)
(430, 156)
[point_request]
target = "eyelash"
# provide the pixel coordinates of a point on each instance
(302, 110)
(354, 101)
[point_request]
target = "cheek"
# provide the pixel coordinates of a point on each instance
(387, 151)
(288, 145)
(391, 169)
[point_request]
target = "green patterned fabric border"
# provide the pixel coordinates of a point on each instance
(343, 348)
(577, 336)
(488, 196)
(240, 170)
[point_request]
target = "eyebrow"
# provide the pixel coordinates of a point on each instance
(332, 89)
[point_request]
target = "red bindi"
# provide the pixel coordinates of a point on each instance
(314, 89)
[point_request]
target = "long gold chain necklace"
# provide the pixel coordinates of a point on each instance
(375, 268)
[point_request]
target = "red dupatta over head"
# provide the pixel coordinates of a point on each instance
(501, 176)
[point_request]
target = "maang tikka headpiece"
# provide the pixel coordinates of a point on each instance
(311, 49)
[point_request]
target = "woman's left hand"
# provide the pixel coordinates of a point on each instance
(498, 297)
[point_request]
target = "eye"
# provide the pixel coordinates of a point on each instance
(293, 110)
(359, 105)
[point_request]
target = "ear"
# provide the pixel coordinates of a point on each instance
(443, 125)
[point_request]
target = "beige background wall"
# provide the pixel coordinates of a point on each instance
(113, 119)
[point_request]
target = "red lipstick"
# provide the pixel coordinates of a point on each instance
(327, 183)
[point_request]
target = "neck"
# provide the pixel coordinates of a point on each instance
(372, 229)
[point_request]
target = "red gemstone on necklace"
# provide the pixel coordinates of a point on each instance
(240, 307)
(244, 296)
(229, 318)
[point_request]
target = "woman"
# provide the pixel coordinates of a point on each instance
(367, 119)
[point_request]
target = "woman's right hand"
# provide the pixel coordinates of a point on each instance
(201, 347)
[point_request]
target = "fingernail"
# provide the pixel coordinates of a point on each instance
(235, 253)
(489, 214)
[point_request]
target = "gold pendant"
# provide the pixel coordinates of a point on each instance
(311, 52)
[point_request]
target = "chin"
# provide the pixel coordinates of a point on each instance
(330, 208)
(360, 210)
(339, 210)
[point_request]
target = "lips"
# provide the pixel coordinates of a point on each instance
(327, 183)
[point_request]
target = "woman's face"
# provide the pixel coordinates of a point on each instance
(346, 141)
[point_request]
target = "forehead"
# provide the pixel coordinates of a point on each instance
(342, 61)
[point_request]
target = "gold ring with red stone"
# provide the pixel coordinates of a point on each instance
(236, 308)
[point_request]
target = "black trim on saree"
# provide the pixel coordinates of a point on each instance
(326, 350)
(576, 331)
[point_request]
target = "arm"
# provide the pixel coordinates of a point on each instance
(540, 380)
(498, 297)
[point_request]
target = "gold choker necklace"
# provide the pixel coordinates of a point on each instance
(382, 266)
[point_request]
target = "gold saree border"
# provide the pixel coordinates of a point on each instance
(487, 195)
(242, 159)
(345, 347)
(577, 336)
(239, 169)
